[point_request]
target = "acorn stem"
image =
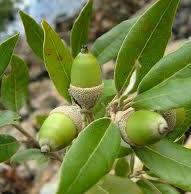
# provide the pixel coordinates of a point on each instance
(90, 116)
(55, 156)
(26, 134)
(45, 148)
(127, 106)
(33, 141)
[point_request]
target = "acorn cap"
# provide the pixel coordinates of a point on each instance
(73, 112)
(120, 120)
(86, 97)
(170, 117)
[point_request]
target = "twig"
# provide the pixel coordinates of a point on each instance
(55, 156)
(26, 134)
(88, 115)
(128, 105)
(35, 143)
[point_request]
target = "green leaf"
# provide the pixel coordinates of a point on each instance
(165, 188)
(34, 34)
(174, 93)
(122, 167)
(107, 46)
(14, 88)
(118, 185)
(154, 187)
(108, 93)
(29, 154)
(169, 161)
(79, 33)
(6, 51)
(178, 132)
(8, 146)
(58, 60)
(8, 117)
(90, 157)
(40, 119)
(167, 68)
(148, 188)
(97, 190)
(145, 42)
(124, 150)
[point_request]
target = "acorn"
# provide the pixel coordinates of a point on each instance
(59, 129)
(143, 127)
(86, 79)
(174, 117)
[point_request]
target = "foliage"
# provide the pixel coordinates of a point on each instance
(160, 84)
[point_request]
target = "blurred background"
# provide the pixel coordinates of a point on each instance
(31, 178)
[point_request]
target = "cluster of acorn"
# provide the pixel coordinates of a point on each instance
(138, 128)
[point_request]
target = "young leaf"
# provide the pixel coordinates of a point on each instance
(122, 168)
(166, 68)
(90, 157)
(14, 88)
(108, 93)
(118, 185)
(34, 34)
(8, 146)
(29, 154)
(8, 117)
(6, 51)
(79, 33)
(173, 93)
(58, 60)
(107, 46)
(169, 161)
(124, 150)
(145, 42)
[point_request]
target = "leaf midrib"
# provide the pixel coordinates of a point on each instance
(154, 97)
(83, 12)
(171, 159)
(148, 38)
(89, 159)
(167, 79)
(37, 33)
(7, 144)
(55, 48)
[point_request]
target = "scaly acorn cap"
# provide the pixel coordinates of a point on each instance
(120, 119)
(140, 128)
(60, 128)
(174, 117)
(86, 80)
(86, 97)
(170, 117)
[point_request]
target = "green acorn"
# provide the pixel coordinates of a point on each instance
(86, 80)
(174, 117)
(143, 127)
(59, 129)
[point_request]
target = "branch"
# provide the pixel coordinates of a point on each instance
(35, 143)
